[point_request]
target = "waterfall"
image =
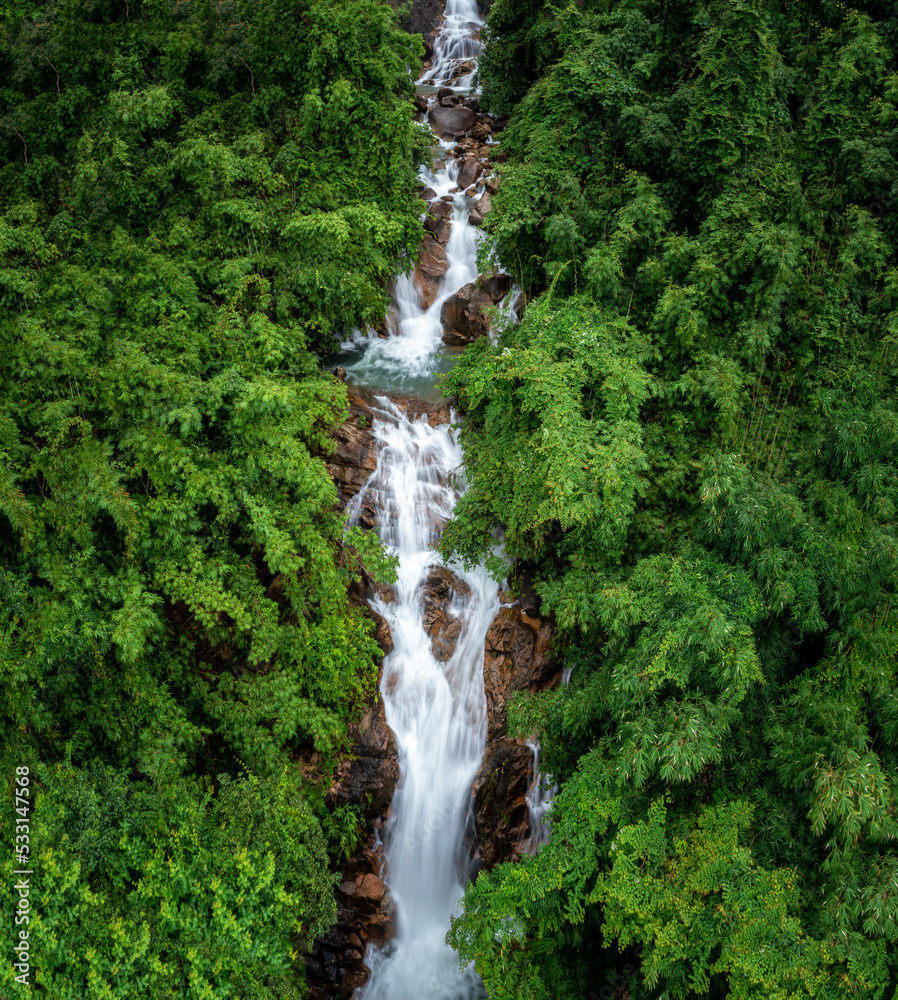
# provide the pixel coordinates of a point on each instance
(539, 802)
(457, 43)
(540, 794)
(435, 707)
(437, 711)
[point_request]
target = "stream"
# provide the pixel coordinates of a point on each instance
(436, 709)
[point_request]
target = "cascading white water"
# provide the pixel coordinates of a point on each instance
(406, 363)
(436, 710)
(540, 795)
(539, 802)
(457, 42)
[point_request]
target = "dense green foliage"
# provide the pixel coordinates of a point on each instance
(196, 198)
(691, 443)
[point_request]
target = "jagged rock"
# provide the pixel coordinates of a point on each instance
(365, 915)
(370, 778)
(448, 122)
(437, 221)
(492, 183)
(496, 285)
(469, 172)
(450, 102)
(462, 316)
(425, 193)
(432, 258)
(420, 103)
(463, 69)
(440, 587)
(481, 209)
(501, 815)
(356, 455)
(445, 92)
(516, 659)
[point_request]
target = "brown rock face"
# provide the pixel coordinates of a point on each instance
(497, 286)
(432, 264)
(438, 220)
(374, 770)
(516, 659)
(382, 634)
(481, 209)
(462, 316)
(335, 966)
(501, 815)
(356, 455)
(440, 624)
(427, 288)
(432, 258)
(446, 122)
(469, 171)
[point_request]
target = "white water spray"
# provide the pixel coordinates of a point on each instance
(436, 710)
(457, 44)
(539, 802)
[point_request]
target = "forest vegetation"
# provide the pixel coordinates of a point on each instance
(690, 443)
(195, 200)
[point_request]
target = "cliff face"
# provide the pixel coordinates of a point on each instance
(422, 19)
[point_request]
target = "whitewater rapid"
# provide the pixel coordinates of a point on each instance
(436, 710)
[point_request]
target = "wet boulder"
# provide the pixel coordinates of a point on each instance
(438, 220)
(468, 172)
(462, 316)
(496, 285)
(448, 122)
(432, 259)
(432, 264)
(441, 588)
(481, 209)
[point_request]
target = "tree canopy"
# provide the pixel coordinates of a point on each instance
(196, 199)
(690, 443)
